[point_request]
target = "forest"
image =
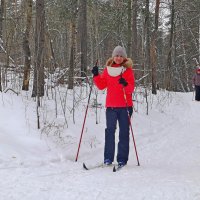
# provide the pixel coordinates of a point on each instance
(59, 41)
(53, 117)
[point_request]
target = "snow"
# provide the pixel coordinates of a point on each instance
(35, 165)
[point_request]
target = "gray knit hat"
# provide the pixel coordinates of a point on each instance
(119, 51)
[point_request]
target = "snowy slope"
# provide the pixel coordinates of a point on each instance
(168, 143)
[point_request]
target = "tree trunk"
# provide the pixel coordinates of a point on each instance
(184, 68)
(129, 32)
(154, 49)
(26, 46)
(2, 7)
(72, 48)
(83, 36)
(169, 58)
(134, 32)
(38, 86)
(72, 57)
(147, 62)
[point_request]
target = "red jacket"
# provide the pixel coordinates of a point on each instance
(110, 79)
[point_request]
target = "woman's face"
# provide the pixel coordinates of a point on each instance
(118, 59)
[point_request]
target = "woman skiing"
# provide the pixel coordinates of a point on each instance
(118, 79)
(196, 83)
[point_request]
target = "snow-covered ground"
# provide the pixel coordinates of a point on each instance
(41, 166)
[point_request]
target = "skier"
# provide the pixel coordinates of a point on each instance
(118, 78)
(196, 84)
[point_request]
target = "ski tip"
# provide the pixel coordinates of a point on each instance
(84, 166)
(114, 169)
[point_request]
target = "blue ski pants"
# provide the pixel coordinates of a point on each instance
(197, 92)
(112, 116)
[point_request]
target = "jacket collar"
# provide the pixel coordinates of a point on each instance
(115, 71)
(128, 63)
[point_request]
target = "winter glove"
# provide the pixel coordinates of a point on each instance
(95, 70)
(123, 82)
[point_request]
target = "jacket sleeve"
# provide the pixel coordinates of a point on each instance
(100, 80)
(129, 89)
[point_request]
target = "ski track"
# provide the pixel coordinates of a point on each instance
(69, 181)
(169, 166)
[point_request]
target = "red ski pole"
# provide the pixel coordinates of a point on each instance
(85, 117)
(130, 124)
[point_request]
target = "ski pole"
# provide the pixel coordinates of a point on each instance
(85, 116)
(130, 124)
